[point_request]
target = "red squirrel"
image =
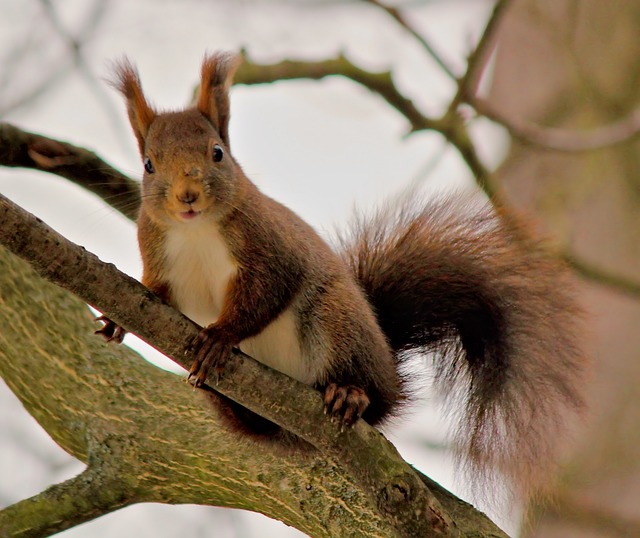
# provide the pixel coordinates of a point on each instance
(486, 299)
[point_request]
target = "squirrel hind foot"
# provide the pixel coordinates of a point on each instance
(348, 402)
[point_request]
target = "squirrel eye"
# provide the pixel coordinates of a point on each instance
(218, 153)
(148, 166)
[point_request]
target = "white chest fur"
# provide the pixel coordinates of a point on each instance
(199, 267)
(278, 346)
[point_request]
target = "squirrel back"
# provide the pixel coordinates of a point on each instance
(457, 280)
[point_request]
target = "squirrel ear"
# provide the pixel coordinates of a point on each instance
(213, 100)
(141, 114)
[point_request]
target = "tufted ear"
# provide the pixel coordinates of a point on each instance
(141, 114)
(213, 101)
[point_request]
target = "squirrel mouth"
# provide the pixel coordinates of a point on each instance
(188, 215)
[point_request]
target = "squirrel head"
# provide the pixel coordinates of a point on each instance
(188, 168)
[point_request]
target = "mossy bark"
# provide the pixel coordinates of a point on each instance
(146, 436)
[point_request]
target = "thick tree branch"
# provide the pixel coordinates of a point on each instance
(372, 462)
(62, 506)
(143, 433)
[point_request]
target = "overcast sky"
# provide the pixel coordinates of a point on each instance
(319, 147)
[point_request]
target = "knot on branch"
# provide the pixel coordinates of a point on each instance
(402, 499)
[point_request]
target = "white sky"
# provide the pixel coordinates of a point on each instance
(319, 147)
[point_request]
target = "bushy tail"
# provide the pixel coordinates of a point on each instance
(452, 278)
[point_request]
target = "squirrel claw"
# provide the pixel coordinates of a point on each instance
(347, 402)
(196, 379)
(211, 356)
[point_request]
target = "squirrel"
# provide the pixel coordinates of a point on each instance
(475, 290)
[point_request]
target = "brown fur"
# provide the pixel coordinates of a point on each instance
(141, 114)
(492, 304)
(213, 98)
(495, 309)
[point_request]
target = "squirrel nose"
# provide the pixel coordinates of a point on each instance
(188, 196)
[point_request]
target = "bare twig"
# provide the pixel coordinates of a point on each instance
(397, 16)
(75, 45)
(64, 66)
(380, 83)
(602, 277)
(479, 57)
(569, 141)
(452, 125)
(428, 167)
(50, 80)
(547, 138)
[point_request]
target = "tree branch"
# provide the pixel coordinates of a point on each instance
(564, 140)
(479, 57)
(379, 83)
(20, 148)
(63, 506)
(144, 434)
(373, 463)
(451, 126)
(602, 277)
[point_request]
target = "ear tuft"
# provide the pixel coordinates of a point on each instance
(213, 100)
(141, 114)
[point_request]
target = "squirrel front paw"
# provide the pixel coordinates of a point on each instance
(111, 331)
(211, 356)
(348, 402)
